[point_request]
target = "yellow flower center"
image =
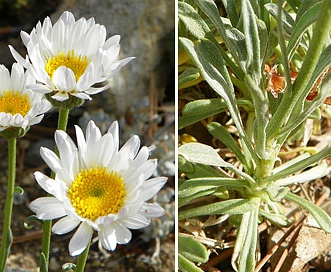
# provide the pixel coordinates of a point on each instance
(14, 102)
(77, 64)
(97, 192)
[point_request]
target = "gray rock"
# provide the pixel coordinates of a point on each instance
(147, 29)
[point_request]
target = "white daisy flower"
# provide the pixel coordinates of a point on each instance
(70, 56)
(98, 187)
(19, 106)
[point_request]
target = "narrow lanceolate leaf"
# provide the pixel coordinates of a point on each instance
(187, 266)
(300, 165)
(205, 154)
(287, 20)
(210, 9)
(189, 77)
(197, 185)
(194, 186)
(192, 20)
(201, 153)
(308, 18)
(191, 249)
(243, 257)
(223, 135)
(253, 65)
(238, 40)
(208, 60)
(261, 116)
(231, 10)
(309, 107)
(198, 110)
(321, 217)
(232, 206)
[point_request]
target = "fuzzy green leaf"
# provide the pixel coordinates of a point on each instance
(193, 186)
(253, 65)
(208, 60)
(198, 110)
(187, 266)
(321, 217)
(192, 20)
(286, 18)
(232, 206)
(245, 248)
(210, 9)
(192, 249)
(300, 165)
(308, 18)
(218, 131)
(201, 153)
(189, 75)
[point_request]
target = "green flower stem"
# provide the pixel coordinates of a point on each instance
(47, 224)
(81, 259)
(321, 34)
(6, 234)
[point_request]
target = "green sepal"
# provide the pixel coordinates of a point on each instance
(13, 132)
(68, 104)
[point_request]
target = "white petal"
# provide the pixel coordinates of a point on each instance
(51, 186)
(114, 40)
(152, 210)
(123, 235)
(51, 159)
(48, 208)
(35, 120)
(81, 142)
(107, 237)
(114, 130)
(126, 154)
(131, 147)
(96, 90)
(146, 169)
(67, 150)
(41, 201)
(65, 225)
(60, 96)
(136, 221)
(17, 56)
(4, 78)
(64, 79)
(80, 239)
(39, 88)
(105, 149)
(81, 95)
(93, 133)
(151, 187)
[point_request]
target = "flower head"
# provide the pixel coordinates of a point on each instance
(98, 187)
(70, 56)
(19, 106)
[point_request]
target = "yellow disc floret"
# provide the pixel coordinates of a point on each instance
(97, 192)
(77, 64)
(14, 102)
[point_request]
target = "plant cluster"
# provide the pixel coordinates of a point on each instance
(267, 64)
